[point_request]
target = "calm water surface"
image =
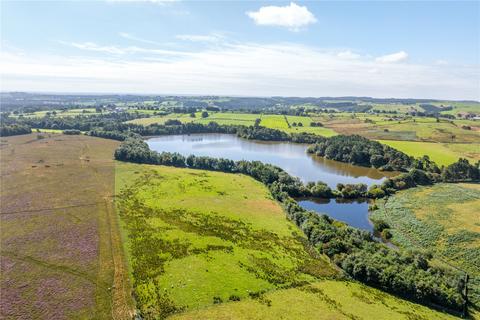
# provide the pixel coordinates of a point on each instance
(291, 157)
(352, 212)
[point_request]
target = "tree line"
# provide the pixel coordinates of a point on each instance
(14, 129)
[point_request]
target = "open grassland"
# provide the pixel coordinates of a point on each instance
(183, 117)
(245, 119)
(62, 113)
(328, 299)
(441, 153)
(198, 237)
(445, 219)
(61, 253)
(211, 245)
(463, 107)
(401, 108)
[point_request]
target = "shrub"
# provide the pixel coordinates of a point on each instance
(380, 225)
(234, 297)
(71, 132)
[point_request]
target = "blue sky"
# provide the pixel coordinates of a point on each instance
(322, 48)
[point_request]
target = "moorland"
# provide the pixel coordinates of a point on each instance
(90, 210)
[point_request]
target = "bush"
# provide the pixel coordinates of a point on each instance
(380, 225)
(386, 234)
(234, 297)
(72, 132)
(173, 122)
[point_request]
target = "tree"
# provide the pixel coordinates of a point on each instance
(204, 114)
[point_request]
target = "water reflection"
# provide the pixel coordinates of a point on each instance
(352, 212)
(291, 157)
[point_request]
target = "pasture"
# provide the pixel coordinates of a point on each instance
(443, 219)
(198, 237)
(390, 127)
(441, 153)
(61, 254)
(327, 299)
(211, 245)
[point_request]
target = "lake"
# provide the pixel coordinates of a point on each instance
(291, 157)
(352, 212)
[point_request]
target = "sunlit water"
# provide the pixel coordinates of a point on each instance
(291, 157)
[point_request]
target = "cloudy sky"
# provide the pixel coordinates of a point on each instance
(323, 48)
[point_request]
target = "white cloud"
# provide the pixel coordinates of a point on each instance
(394, 57)
(130, 36)
(292, 16)
(441, 62)
(94, 47)
(348, 55)
(214, 37)
(119, 51)
(234, 69)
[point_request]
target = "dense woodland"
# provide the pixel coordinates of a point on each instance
(14, 129)
(361, 151)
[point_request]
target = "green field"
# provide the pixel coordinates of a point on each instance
(399, 127)
(210, 245)
(468, 107)
(444, 219)
(441, 153)
(195, 235)
(62, 113)
(245, 119)
(183, 117)
(323, 300)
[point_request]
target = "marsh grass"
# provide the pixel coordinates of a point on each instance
(441, 219)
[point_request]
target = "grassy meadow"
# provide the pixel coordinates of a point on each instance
(211, 245)
(61, 254)
(327, 299)
(441, 153)
(444, 219)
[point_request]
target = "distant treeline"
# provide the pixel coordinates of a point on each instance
(14, 129)
(404, 273)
